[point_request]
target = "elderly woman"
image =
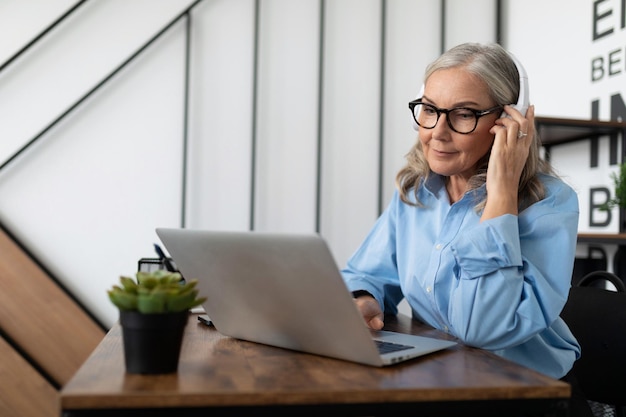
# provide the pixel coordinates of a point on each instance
(480, 236)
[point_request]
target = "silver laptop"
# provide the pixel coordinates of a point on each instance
(284, 290)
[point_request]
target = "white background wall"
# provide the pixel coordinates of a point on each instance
(557, 47)
(265, 105)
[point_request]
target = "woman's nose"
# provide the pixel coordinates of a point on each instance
(442, 126)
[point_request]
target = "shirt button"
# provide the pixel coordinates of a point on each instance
(428, 289)
(438, 246)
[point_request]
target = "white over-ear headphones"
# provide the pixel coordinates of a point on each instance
(522, 101)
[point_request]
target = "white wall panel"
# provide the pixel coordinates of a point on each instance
(75, 56)
(412, 42)
(220, 128)
(287, 103)
(557, 64)
(87, 198)
(21, 21)
(351, 120)
(470, 21)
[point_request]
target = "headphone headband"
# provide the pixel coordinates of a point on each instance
(522, 100)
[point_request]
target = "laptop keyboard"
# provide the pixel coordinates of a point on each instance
(388, 347)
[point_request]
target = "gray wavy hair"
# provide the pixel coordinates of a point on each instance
(493, 65)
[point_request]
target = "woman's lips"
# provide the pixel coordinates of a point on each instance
(443, 153)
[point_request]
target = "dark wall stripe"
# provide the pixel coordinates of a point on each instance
(255, 71)
(381, 116)
(320, 117)
(183, 203)
(442, 33)
(499, 20)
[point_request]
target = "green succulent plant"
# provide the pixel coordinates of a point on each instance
(619, 181)
(155, 292)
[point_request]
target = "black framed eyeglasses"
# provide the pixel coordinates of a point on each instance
(460, 119)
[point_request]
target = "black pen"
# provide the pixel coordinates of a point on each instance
(164, 259)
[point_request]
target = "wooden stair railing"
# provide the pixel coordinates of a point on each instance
(45, 334)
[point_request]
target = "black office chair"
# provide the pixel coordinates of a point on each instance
(596, 260)
(596, 317)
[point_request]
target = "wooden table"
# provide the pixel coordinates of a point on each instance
(218, 375)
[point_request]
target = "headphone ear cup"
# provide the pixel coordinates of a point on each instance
(420, 95)
(523, 98)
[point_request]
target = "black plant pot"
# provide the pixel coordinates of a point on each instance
(152, 341)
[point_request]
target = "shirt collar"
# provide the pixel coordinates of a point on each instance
(434, 183)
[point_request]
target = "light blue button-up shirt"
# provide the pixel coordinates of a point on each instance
(499, 284)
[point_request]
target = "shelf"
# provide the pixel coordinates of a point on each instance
(604, 238)
(555, 131)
